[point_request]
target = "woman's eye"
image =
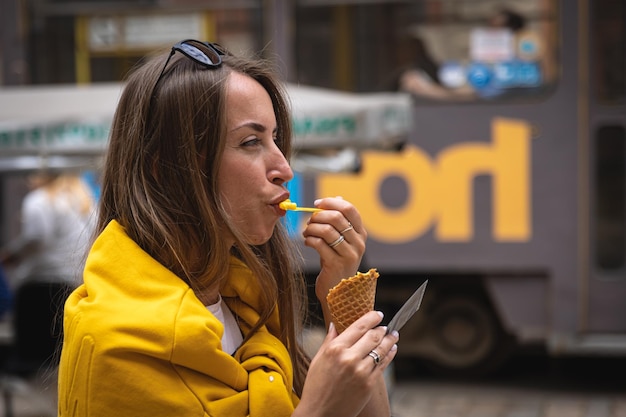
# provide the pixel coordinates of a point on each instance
(251, 142)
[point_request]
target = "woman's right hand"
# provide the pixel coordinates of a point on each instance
(343, 377)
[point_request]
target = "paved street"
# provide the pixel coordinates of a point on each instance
(445, 399)
(35, 397)
(530, 386)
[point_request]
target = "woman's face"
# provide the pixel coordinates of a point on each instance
(253, 170)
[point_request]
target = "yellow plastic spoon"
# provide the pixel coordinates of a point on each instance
(290, 205)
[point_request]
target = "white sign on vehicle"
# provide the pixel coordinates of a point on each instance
(491, 45)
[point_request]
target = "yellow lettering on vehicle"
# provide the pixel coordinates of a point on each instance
(440, 191)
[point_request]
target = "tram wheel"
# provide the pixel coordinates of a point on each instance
(467, 337)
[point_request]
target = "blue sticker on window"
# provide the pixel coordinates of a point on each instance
(479, 75)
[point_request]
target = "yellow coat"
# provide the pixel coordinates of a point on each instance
(139, 343)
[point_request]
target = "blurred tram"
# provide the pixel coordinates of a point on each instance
(510, 195)
(507, 192)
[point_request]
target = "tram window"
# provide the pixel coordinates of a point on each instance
(610, 197)
(435, 49)
(486, 50)
(609, 31)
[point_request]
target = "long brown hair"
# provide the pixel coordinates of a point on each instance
(160, 184)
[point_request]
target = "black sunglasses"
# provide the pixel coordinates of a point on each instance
(206, 54)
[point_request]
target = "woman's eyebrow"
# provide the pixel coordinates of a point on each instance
(258, 127)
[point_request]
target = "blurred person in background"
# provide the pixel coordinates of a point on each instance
(44, 262)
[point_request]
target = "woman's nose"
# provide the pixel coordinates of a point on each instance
(280, 171)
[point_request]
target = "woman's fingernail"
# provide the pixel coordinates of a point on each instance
(316, 202)
(381, 314)
(395, 334)
(394, 348)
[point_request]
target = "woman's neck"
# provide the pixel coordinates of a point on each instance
(208, 296)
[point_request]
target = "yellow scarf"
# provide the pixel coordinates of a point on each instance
(138, 342)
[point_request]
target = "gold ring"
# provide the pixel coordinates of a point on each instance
(347, 229)
(337, 242)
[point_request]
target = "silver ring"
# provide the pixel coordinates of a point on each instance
(374, 355)
(347, 229)
(337, 242)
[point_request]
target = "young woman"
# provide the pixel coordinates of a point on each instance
(192, 302)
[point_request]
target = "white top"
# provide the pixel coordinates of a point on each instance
(63, 234)
(232, 338)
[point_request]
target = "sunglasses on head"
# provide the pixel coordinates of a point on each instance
(206, 54)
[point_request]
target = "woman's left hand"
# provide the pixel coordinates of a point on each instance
(338, 235)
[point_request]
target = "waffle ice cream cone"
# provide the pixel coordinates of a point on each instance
(352, 298)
